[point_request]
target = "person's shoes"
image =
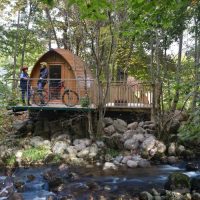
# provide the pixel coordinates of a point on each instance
(29, 104)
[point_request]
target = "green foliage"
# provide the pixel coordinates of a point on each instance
(56, 159)
(93, 10)
(6, 122)
(48, 2)
(85, 101)
(13, 99)
(112, 152)
(35, 154)
(11, 160)
(190, 132)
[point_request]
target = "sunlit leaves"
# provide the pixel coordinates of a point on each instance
(92, 9)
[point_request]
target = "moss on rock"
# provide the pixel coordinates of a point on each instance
(177, 180)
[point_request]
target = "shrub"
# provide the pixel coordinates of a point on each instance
(11, 160)
(35, 154)
(191, 130)
(85, 101)
(112, 152)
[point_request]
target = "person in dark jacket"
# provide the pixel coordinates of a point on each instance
(43, 75)
(42, 80)
(25, 85)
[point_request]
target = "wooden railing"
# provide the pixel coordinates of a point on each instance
(83, 88)
(121, 94)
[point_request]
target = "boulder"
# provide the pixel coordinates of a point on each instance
(177, 180)
(18, 156)
(83, 153)
(36, 141)
(109, 165)
(120, 125)
(136, 158)
(109, 130)
(170, 195)
(117, 141)
(80, 147)
(133, 126)
(146, 196)
(60, 147)
(154, 192)
(131, 144)
(71, 150)
(144, 163)
(61, 137)
(134, 142)
(172, 149)
(100, 144)
(148, 143)
(128, 134)
(180, 149)
(141, 124)
(195, 196)
(46, 144)
(119, 159)
(107, 121)
(93, 151)
(87, 142)
(161, 148)
(16, 196)
(19, 125)
(150, 126)
(140, 130)
(125, 159)
(132, 163)
(172, 160)
(153, 151)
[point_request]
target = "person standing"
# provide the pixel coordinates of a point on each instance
(25, 85)
(43, 75)
(42, 80)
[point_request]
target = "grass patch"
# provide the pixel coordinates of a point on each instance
(112, 152)
(35, 154)
(57, 159)
(11, 160)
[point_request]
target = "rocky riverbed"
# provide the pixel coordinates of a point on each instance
(61, 182)
(119, 165)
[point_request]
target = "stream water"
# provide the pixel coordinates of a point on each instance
(95, 182)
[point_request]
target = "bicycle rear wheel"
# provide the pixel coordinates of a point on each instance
(40, 98)
(70, 98)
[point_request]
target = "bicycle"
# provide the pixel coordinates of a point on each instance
(69, 97)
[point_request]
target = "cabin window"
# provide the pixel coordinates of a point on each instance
(55, 79)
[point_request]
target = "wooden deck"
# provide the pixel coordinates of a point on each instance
(53, 107)
(120, 96)
(56, 107)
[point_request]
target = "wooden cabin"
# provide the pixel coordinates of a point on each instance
(66, 66)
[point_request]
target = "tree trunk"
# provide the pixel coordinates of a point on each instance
(26, 35)
(178, 69)
(14, 81)
(52, 26)
(158, 87)
(196, 66)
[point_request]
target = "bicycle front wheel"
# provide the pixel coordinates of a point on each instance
(70, 98)
(40, 98)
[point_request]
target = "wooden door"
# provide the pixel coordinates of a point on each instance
(55, 76)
